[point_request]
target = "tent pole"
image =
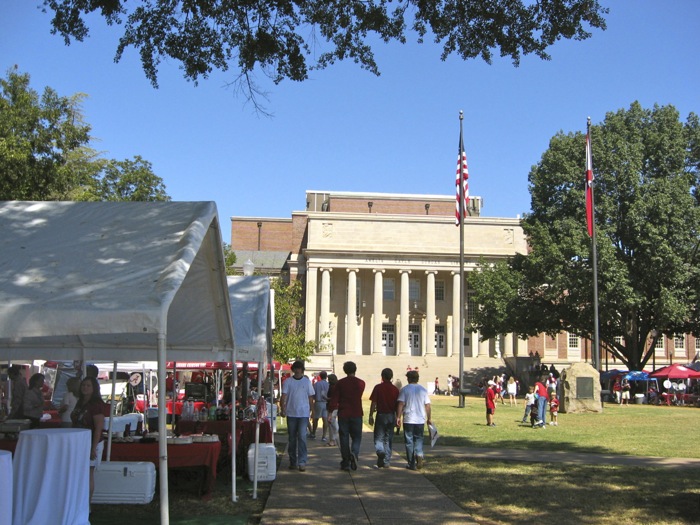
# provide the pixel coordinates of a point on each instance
(162, 437)
(234, 416)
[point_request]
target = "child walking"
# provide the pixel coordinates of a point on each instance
(529, 401)
(553, 409)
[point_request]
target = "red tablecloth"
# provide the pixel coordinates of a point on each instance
(245, 431)
(8, 444)
(194, 455)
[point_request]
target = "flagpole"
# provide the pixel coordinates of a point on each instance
(594, 252)
(462, 284)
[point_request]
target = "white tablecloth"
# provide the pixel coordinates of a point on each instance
(52, 477)
(5, 487)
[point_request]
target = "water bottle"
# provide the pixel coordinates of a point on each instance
(203, 414)
(227, 413)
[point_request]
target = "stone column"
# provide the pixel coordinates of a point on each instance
(430, 313)
(404, 348)
(484, 348)
(350, 346)
(378, 311)
(325, 301)
(456, 328)
(508, 345)
(311, 290)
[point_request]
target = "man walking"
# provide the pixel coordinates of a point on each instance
(383, 398)
(320, 404)
(296, 404)
(414, 408)
(346, 397)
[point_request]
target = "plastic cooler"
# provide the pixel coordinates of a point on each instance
(127, 482)
(267, 462)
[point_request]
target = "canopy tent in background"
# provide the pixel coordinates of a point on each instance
(253, 307)
(114, 281)
(676, 371)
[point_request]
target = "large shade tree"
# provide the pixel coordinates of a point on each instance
(45, 152)
(285, 39)
(648, 234)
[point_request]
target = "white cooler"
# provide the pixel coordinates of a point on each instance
(267, 462)
(128, 482)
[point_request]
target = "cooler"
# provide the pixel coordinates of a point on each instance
(267, 462)
(128, 482)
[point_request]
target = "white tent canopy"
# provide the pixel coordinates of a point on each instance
(114, 281)
(106, 278)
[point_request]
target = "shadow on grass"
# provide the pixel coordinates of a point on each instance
(512, 492)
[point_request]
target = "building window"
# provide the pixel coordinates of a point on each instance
(358, 298)
(439, 290)
(471, 308)
(679, 345)
(414, 290)
(389, 289)
(660, 343)
(697, 344)
(574, 341)
(619, 340)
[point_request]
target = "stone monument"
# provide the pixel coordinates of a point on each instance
(579, 389)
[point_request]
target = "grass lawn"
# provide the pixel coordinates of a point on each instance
(498, 492)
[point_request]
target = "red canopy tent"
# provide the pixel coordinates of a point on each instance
(676, 371)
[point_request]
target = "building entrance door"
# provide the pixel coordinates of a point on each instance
(414, 339)
(388, 339)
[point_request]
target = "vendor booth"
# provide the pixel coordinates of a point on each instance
(113, 281)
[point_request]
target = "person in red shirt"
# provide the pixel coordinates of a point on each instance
(541, 391)
(490, 395)
(347, 399)
(383, 398)
(554, 409)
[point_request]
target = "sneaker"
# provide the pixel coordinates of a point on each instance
(551, 423)
(411, 467)
(419, 462)
(302, 468)
(539, 422)
(380, 458)
(312, 436)
(324, 439)
(353, 461)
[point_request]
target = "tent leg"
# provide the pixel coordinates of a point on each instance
(163, 437)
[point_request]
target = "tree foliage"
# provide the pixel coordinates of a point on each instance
(288, 338)
(287, 38)
(45, 152)
(648, 233)
(38, 133)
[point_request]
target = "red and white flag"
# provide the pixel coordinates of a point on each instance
(463, 174)
(589, 185)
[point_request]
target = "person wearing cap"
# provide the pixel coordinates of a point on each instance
(490, 396)
(413, 410)
(346, 397)
(296, 405)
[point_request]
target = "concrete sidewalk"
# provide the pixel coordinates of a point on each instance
(326, 494)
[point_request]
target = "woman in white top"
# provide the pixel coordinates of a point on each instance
(512, 390)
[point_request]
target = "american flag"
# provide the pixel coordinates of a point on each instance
(589, 185)
(464, 171)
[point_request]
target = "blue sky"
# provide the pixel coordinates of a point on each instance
(347, 130)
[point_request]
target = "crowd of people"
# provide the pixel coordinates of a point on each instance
(540, 398)
(337, 405)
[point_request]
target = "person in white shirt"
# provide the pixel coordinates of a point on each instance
(413, 409)
(296, 405)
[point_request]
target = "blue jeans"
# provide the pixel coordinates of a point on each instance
(384, 434)
(350, 428)
(296, 426)
(542, 408)
(413, 436)
(527, 413)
